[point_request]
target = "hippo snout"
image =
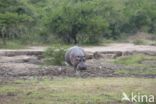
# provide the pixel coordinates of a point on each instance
(81, 66)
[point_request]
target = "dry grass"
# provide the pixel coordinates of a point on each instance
(74, 90)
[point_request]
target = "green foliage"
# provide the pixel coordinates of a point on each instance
(78, 18)
(139, 42)
(14, 19)
(55, 55)
(13, 44)
(75, 21)
(141, 15)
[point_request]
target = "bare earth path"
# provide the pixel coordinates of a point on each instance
(121, 47)
(112, 47)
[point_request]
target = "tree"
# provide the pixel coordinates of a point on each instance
(13, 19)
(75, 19)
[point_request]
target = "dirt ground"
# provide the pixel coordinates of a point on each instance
(25, 63)
(122, 47)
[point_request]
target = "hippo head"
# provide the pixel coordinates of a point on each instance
(81, 63)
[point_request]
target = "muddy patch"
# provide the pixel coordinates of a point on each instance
(96, 68)
(16, 64)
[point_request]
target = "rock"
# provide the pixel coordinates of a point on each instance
(97, 55)
(89, 55)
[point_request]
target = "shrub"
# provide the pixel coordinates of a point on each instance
(139, 42)
(77, 19)
(54, 55)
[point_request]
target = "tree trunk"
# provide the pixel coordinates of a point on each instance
(3, 39)
(3, 35)
(75, 39)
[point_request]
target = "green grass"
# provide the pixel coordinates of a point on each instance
(135, 59)
(19, 44)
(130, 60)
(74, 90)
(137, 71)
(144, 42)
(136, 62)
(12, 45)
(107, 41)
(140, 42)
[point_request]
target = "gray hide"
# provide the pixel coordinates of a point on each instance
(75, 56)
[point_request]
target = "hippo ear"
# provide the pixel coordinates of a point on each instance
(83, 51)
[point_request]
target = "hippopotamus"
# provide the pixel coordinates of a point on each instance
(75, 56)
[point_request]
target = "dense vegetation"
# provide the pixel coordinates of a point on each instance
(74, 21)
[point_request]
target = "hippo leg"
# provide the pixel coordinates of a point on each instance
(75, 68)
(77, 72)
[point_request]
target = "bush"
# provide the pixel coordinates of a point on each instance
(139, 42)
(54, 55)
(77, 19)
